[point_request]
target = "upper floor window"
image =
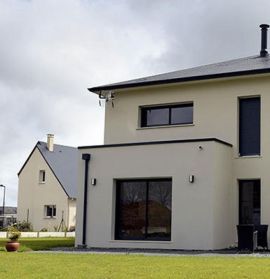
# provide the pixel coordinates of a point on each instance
(167, 115)
(42, 176)
(249, 126)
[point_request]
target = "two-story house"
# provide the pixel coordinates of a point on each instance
(48, 187)
(185, 159)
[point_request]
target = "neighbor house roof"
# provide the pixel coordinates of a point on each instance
(237, 67)
(9, 210)
(63, 163)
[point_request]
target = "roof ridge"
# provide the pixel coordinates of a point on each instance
(58, 144)
(235, 67)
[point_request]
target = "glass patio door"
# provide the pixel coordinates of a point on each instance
(250, 202)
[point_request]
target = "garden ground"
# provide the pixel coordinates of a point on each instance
(33, 265)
(108, 264)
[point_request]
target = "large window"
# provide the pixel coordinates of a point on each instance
(249, 126)
(143, 209)
(167, 115)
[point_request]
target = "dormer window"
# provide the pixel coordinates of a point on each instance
(42, 176)
(164, 115)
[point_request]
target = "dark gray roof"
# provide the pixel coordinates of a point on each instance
(237, 67)
(9, 210)
(63, 161)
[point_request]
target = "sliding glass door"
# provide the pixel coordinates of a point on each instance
(143, 209)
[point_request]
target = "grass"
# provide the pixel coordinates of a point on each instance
(35, 244)
(49, 265)
(30, 265)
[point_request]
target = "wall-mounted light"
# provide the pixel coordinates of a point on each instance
(93, 181)
(191, 179)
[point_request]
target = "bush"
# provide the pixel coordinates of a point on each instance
(72, 229)
(44, 230)
(24, 226)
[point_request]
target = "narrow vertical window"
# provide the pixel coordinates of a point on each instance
(42, 176)
(250, 126)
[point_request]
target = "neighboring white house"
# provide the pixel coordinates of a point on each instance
(48, 187)
(186, 158)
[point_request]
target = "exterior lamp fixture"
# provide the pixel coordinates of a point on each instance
(191, 178)
(94, 181)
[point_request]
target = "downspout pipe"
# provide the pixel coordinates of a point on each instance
(86, 157)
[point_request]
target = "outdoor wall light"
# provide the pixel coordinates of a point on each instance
(93, 181)
(191, 178)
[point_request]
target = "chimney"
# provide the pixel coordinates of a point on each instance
(264, 28)
(50, 142)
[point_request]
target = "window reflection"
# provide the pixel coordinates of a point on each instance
(167, 115)
(159, 210)
(182, 115)
(143, 209)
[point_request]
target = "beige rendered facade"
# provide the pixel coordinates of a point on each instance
(43, 202)
(204, 213)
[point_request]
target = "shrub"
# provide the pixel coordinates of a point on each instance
(72, 229)
(44, 230)
(24, 226)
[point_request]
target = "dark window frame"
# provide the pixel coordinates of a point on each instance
(143, 113)
(117, 209)
(241, 151)
(51, 207)
(42, 176)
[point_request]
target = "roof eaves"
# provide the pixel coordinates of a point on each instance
(98, 89)
(54, 173)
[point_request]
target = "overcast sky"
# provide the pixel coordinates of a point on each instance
(52, 51)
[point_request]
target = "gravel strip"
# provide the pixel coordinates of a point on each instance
(152, 252)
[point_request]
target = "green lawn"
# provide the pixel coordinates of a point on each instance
(28, 244)
(31, 265)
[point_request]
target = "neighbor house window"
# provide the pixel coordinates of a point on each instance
(42, 176)
(167, 115)
(143, 209)
(50, 211)
(249, 126)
